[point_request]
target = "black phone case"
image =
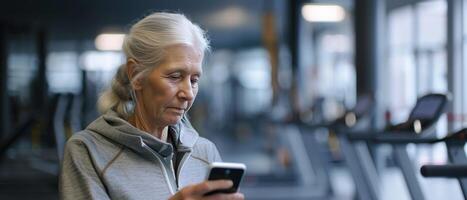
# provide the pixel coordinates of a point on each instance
(235, 175)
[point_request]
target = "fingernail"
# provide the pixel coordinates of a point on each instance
(229, 182)
(240, 195)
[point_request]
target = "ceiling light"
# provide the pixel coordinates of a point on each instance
(323, 13)
(230, 17)
(109, 41)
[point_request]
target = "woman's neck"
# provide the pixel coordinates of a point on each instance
(139, 121)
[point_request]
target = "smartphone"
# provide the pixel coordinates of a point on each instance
(226, 171)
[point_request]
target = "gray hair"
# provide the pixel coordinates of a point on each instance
(146, 43)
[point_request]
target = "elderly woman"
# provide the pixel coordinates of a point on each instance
(143, 146)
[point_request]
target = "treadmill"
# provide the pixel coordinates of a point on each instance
(420, 127)
(315, 163)
(356, 118)
(458, 167)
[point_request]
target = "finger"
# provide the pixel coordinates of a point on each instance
(233, 196)
(238, 196)
(208, 186)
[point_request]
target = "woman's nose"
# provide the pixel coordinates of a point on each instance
(186, 91)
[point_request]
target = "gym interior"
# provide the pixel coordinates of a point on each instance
(320, 99)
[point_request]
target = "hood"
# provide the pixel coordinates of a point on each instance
(111, 126)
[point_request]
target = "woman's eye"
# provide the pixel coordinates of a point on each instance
(175, 76)
(195, 80)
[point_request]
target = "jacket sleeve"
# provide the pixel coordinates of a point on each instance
(79, 178)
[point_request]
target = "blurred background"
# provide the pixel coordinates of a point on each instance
(278, 73)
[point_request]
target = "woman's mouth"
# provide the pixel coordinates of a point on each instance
(177, 110)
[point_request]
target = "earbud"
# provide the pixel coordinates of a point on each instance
(130, 105)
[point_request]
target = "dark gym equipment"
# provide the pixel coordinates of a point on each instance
(458, 167)
(420, 127)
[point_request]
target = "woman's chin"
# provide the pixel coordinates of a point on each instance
(174, 120)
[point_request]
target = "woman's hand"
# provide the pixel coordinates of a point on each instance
(194, 192)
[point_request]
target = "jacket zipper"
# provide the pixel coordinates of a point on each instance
(173, 173)
(180, 165)
(164, 170)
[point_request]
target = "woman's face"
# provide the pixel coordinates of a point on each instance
(171, 87)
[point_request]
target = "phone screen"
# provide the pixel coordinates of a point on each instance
(223, 173)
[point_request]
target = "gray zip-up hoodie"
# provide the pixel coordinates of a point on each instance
(111, 159)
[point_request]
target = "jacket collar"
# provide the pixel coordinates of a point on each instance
(111, 126)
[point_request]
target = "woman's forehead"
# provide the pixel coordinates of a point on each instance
(179, 59)
(183, 52)
(182, 56)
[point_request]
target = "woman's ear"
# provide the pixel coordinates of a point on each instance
(132, 72)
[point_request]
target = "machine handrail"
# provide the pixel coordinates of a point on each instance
(450, 170)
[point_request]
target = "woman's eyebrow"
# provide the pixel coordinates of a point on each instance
(176, 68)
(183, 69)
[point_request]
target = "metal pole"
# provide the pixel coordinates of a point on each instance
(41, 92)
(294, 18)
(454, 61)
(3, 83)
(369, 50)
